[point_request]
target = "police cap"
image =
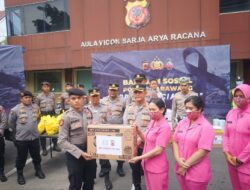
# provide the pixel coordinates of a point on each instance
(68, 84)
(184, 80)
(139, 77)
(81, 86)
(113, 86)
(26, 93)
(45, 83)
(76, 92)
(139, 87)
(94, 92)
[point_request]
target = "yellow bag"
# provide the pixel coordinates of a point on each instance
(41, 125)
(50, 127)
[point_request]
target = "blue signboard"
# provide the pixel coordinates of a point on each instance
(11, 75)
(208, 68)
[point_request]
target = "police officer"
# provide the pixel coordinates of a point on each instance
(85, 97)
(99, 110)
(137, 114)
(46, 101)
(65, 96)
(141, 79)
(116, 107)
(100, 116)
(73, 139)
(81, 87)
(155, 88)
(3, 124)
(178, 108)
(23, 121)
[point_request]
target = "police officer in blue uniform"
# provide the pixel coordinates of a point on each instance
(73, 140)
(100, 116)
(46, 101)
(65, 96)
(116, 106)
(23, 121)
(3, 124)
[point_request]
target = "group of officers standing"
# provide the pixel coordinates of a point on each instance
(81, 110)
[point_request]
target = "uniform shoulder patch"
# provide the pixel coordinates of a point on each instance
(66, 112)
(61, 122)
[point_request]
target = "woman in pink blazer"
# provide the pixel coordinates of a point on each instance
(156, 139)
(192, 142)
(236, 139)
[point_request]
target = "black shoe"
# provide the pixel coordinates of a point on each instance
(20, 179)
(45, 152)
(138, 187)
(39, 173)
(120, 171)
(101, 174)
(108, 183)
(3, 178)
(56, 148)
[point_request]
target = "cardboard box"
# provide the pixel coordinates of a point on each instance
(218, 138)
(112, 142)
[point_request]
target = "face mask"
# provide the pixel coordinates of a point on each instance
(192, 115)
(155, 115)
(240, 102)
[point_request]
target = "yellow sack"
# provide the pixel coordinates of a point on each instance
(58, 119)
(41, 125)
(51, 128)
(57, 122)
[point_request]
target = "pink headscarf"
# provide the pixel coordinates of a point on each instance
(245, 89)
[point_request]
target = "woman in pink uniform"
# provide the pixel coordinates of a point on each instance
(192, 141)
(236, 139)
(156, 139)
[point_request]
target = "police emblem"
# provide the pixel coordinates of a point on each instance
(157, 64)
(137, 14)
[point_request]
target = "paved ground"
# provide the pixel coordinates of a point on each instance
(56, 174)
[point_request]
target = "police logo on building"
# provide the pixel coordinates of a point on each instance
(137, 14)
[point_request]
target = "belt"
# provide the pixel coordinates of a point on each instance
(47, 113)
(82, 146)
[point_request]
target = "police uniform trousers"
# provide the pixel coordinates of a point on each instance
(25, 147)
(43, 139)
(2, 150)
(106, 166)
(81, 172)
(137, 170)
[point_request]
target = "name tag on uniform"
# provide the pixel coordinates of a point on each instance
(230, 122)
(75, 125)
(95, 111)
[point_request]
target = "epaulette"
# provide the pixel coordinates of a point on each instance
(66, 112)
(102, 104)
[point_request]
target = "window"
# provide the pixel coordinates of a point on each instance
(84, 76)
(14, 20)
(56, 15)
(38, 18)
(234, 5)
(54, 77)
(34, 19)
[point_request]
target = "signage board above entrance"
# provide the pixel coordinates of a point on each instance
(144, 39)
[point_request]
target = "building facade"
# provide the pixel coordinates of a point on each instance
(59, 36)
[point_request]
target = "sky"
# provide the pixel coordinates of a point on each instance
(1, 5)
